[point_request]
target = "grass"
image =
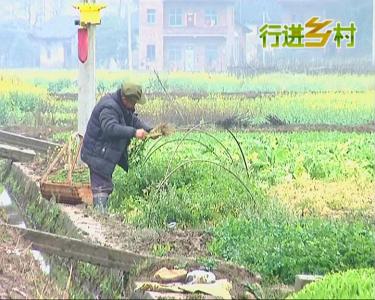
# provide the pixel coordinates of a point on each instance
(279, 246)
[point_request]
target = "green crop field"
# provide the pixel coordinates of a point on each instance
(296, 99)
(279, 203)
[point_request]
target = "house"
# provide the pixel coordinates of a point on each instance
(195, 35)
(57, 41)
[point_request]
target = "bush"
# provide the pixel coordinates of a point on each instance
(279, 247)
(196, 195)
(190, 198)
(352, 284)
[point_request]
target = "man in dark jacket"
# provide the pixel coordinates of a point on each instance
(112, 125)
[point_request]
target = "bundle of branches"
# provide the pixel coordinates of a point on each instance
(162, 129)
(137, 148)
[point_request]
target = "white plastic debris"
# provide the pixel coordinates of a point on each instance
(200, 276)
(172, 225)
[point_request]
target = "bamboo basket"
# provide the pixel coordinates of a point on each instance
(66, 192)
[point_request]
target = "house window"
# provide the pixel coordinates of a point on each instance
(211, 18)
(175, 17)
(190, 19)
(151, 53)
(151, 16)
(174, 54)
(211, 54)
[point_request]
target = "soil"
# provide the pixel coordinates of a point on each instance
(99, 228)
(185, 247)
(186, 243)
(370, 127)
(20, 275)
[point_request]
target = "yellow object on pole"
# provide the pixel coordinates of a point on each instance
(89, 13)
(89, 18)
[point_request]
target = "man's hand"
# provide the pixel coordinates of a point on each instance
(140, 134)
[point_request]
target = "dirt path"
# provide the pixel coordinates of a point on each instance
(169, 242)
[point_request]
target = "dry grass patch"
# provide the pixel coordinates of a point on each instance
(20, 275)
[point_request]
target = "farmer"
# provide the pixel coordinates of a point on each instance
(112, 125)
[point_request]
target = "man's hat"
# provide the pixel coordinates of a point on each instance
(133, 90)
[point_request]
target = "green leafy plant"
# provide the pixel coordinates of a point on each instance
(352, 284)
(161, 249)
(209, 263)
(279, 246)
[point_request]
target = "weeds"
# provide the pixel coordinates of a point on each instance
(280, 246)
(209, 263)
(161, 249)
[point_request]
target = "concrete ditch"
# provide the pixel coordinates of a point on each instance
(88, 281)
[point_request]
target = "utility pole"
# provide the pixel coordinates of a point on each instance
(87, 81)
(130, 54)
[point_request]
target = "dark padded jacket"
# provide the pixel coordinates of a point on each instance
(109, 132)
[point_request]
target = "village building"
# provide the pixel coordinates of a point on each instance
(57, 48)
(196, 35)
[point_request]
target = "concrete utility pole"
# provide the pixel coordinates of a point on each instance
(130, 54)
(87, 81)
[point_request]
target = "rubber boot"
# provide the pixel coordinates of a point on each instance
(101, 202)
